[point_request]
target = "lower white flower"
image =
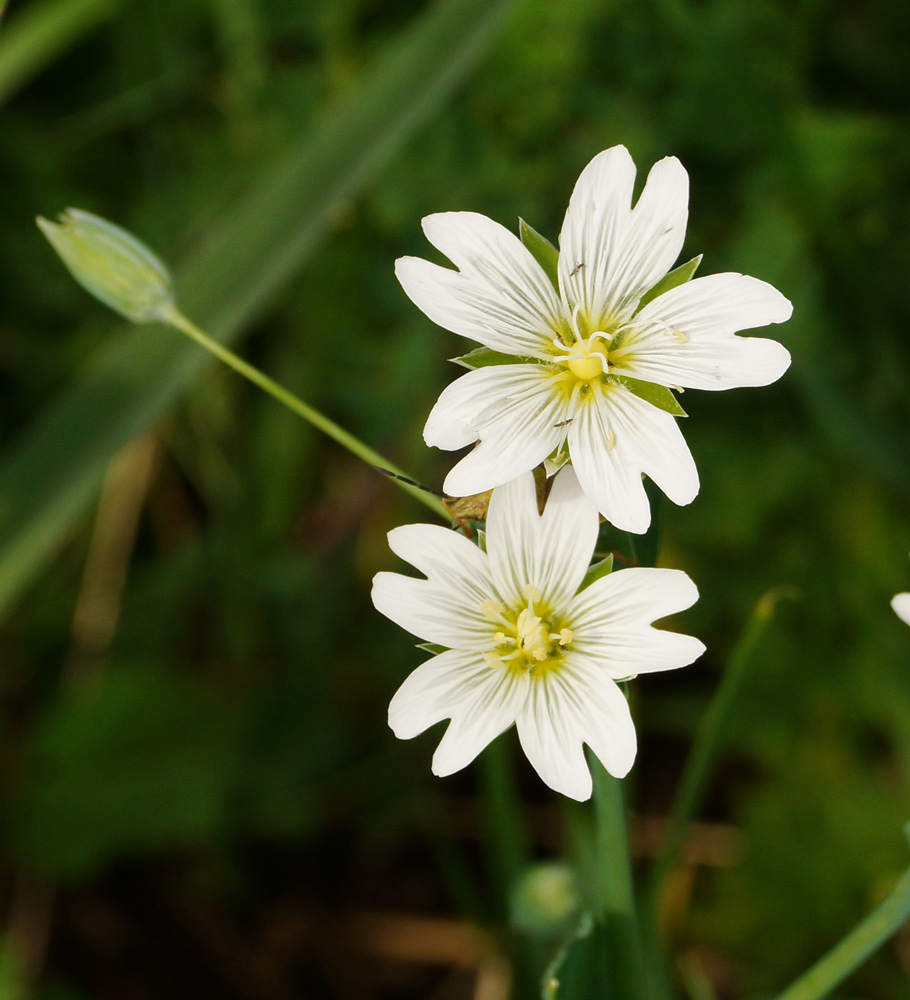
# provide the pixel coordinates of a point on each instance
(525, 641)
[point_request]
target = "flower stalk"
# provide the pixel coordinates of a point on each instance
(175, 318)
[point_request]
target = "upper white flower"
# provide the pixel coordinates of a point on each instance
(901, 605)
(524, 643)
(575, 343)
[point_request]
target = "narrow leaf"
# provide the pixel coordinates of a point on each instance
(596, 571)
(432, 647)
(867, 937)
(484, 357)
(45, 28)
(678, 276)
(542, 250)
(657, 395)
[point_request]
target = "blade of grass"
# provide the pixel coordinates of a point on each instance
(46, 484)
(707, 742)
(45, 28)
(857, 946)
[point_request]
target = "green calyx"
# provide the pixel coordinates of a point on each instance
(112, 265)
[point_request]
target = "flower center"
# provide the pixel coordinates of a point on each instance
(587, 359)
(526, 640)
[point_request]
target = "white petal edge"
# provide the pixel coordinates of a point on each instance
(633, 597)
(612, 253)
(433, 611)
(602, 714)
(901, 605)
(549, 734)
(446, 558)
(612, 621)
(522, 424)
(550, 552)
(686, 336)
(500, 296)
(614, 437)
(481, 701)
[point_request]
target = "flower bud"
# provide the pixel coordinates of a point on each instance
(545, 898)
(112, 264)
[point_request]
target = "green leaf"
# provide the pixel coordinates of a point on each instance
(657, 395)
(32, 39)
(678, 276)
(586, 968)
(432, 647)
(48, 481)
(596, 571)
(542, 250)
(484, 357)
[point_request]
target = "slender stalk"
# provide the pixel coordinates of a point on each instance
(613, 887)
(857, 946)
(297, 405)
(704, 750)
(507, 846)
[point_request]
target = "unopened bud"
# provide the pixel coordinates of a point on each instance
(545, 898)
(112, 264)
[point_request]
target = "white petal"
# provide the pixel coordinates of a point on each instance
(551, 552)
(520, 425)
(685, 336)
(550, 737)
(614, 437)
(454, 420)
(445, 557)
(901, 605)
(434, 611)
(481, 701)
(500, 296)
(601, 713)
(611, 621)
(611, 254)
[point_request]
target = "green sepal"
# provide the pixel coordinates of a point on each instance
(542, 250)
(432, 647)
(657, 395)
(596, 571)
(484, 357)
(678, 276)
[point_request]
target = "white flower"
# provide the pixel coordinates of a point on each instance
(523, 643)
(901, 605)
(575, 344)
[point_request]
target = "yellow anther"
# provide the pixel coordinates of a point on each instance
(492, 659)
(565, 636)
(539, 654)
(531, 593)
(500, 638)
(491, 609)
(678, 337)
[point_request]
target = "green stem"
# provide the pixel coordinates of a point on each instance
(508, 851)
(857, 946)
(614, 891)
(297, 405)
(704, 750)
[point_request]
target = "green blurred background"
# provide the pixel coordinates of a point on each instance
(200, 796)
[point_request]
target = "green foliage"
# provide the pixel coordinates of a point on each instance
(142, 761)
